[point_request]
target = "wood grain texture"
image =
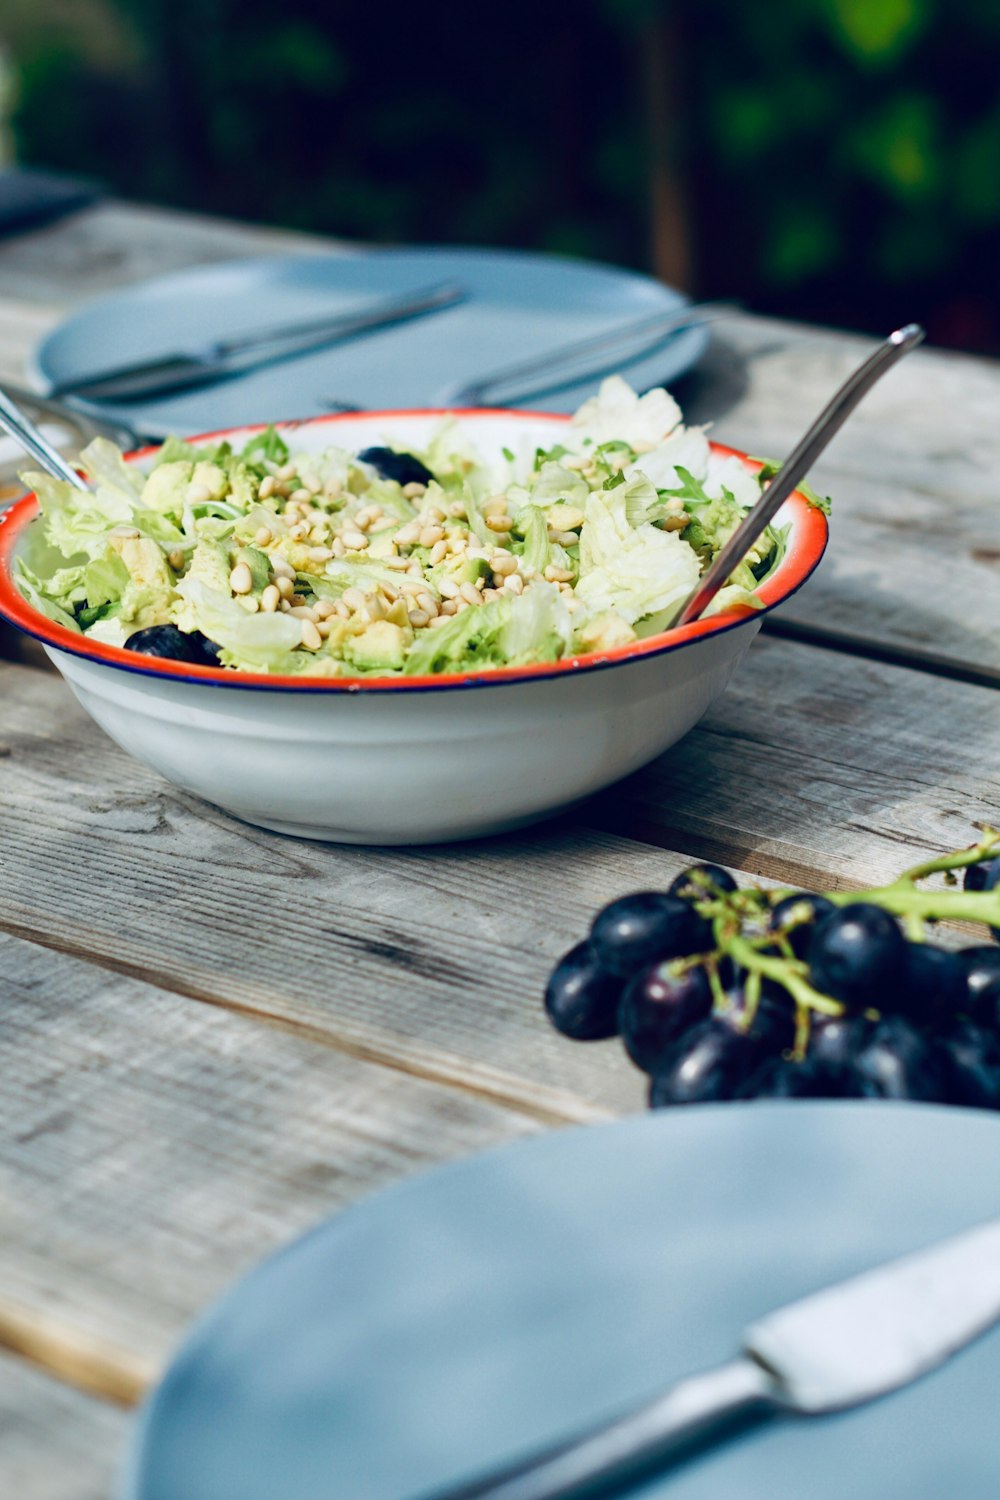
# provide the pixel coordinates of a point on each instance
(814, 768)
(914, 556)
(152, 1149)
(55, 1443)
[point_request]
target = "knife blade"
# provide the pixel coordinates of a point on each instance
(837, 1348)
(186, 369)
(586, 359)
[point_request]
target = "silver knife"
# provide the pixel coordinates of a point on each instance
(838, 1348)
(185, 370)
(586, 359)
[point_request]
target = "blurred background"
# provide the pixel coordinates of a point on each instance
(832, 160)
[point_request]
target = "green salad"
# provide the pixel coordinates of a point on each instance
(393, 560)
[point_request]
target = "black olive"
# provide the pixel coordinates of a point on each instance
(402, 467)
(175, 645)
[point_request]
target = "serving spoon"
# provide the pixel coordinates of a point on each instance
(797, 465)
(793, 470)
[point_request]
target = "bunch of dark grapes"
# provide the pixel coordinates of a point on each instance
(719, 993)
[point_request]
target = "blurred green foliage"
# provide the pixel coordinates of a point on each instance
(837, 159)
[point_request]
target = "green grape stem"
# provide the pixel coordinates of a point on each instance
(904, 898)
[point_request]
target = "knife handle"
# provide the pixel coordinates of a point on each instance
(687, 1415)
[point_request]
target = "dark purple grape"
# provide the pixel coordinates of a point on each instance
(978, 877)
(708, 1065)
(796, 917)
(932, 985)
(581, 999)
(971, 1063)
(168, 642)
(981, 967)
(898, 1062)
(635, 931)
(702, 880)
(781, 1079)
(658, 1007)
(772, 1029)
(835, 1041)
(402, 467)
(856, 955)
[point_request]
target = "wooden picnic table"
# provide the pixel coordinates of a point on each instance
(212, 1036)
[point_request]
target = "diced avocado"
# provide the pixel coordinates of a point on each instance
(380, 646)
(380, 542)
(147, 596)
(257, 562)
(604, 632)
(166, 487)
(462, 570)
(213, 477)
(564, 517)
(210, 564)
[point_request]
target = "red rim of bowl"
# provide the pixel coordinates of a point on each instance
(806, 547)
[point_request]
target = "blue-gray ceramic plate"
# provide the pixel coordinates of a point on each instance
(519, 306)
(473, 1314)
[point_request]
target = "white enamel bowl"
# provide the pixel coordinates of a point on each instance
(413, 760)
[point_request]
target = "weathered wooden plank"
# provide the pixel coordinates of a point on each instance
(817, 767)
(915, 539)
(112, 244)
(55, 1442)
(152, 1148)
(813, 769)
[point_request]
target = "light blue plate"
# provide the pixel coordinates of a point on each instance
(505, 1302)
(519, 306)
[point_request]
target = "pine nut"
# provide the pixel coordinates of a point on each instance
(320, 554)
(427, 603)
(282, 569)
(449, 588)
(262, 536)
(417, 617)
(176, 559)
(439, 552)
(431, 534)
(310, 484)
(414, 490)
(286, 472)
(566, 538)
(354, 598)
(496, 505)
(354, 541)
(514, 584)
(437, 622)
(241, 579)
(504, 566)
(285, 586)
(324, 629)
(449, 607)
(499, 524)
(304, 612)
(555, 574)
(270, 599)
(470, 593)
(311, 638)
(434, 513)
(266, 487)
(324, 607)
(333, 489)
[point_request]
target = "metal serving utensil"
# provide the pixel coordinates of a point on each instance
(586, 358)
(220, 358)
(797, 465)
(839, 1348)
(33, 441)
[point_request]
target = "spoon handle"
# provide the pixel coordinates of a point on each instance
(798, 464)
(20, 427)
